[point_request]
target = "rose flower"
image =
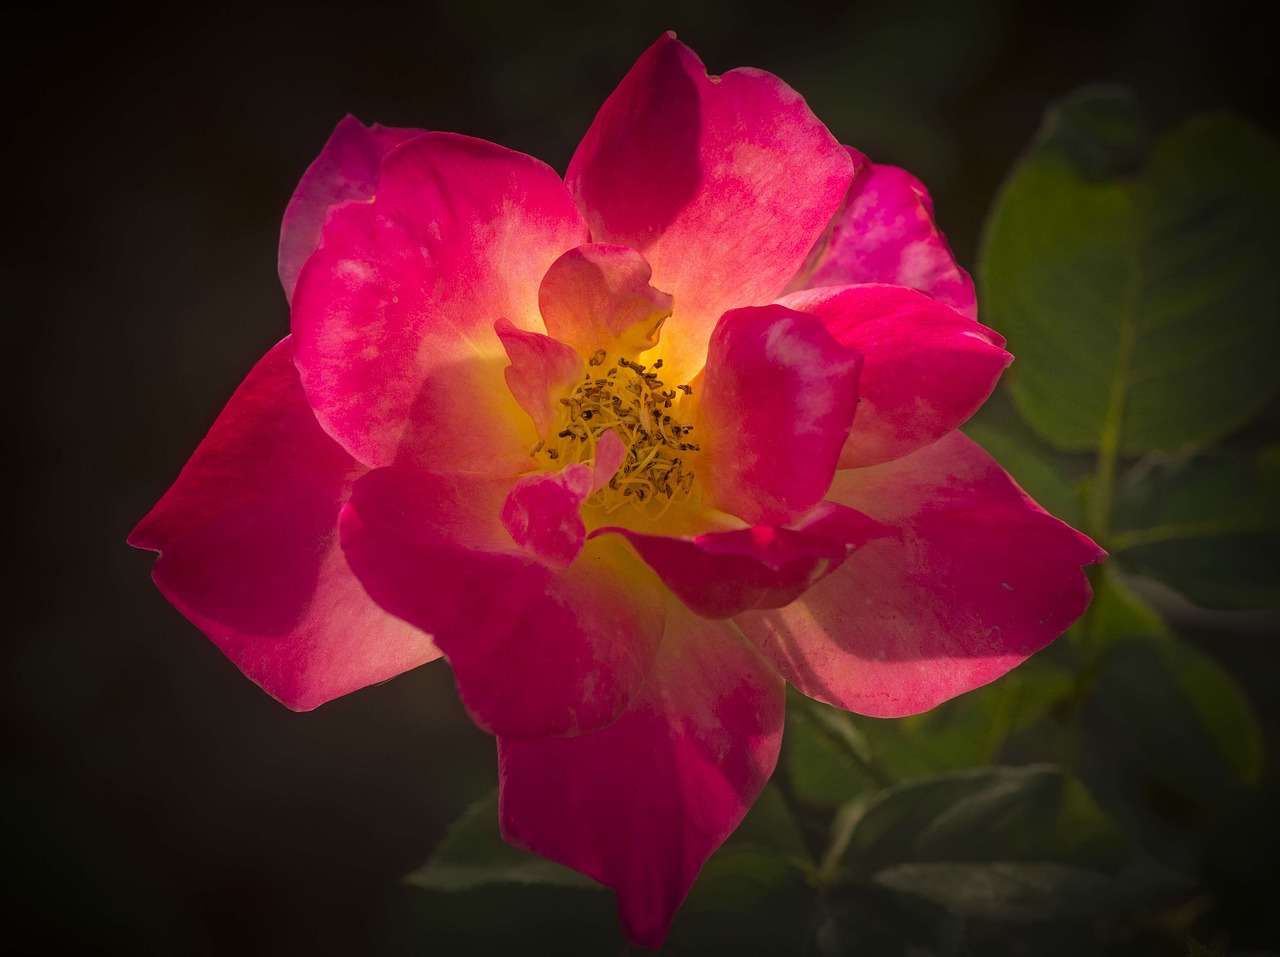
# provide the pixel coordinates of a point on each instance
(632, 449)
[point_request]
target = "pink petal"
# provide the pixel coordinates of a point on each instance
(886, 233)
(542, 514)
(722, 574)
(724, 184)
(347, 168)
(978, 579)
(611, 452)
(925, 369)
(641, 805)
(542, 370)
(599, 297)
(249, 549)
(536, 650)
(776, 402)
(393, 314)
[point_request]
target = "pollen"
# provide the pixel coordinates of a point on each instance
(643, 411)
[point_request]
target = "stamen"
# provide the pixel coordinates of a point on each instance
(636, 405)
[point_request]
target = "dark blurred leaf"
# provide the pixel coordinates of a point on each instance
(1116, 611)
(1035, 813)
(478, 895)
(1002, 843)
(820, 769)
(970, 730)
(1209, 527)
(1030, 890)
(1197, 949)
(868, 919)
(474, 854)
(768, 827)
(1039, 468)
(1137, 306)
(501, 919)
(834, 757)
(1187, 718)
(746, 901)
(751, 897)
(1100, 130)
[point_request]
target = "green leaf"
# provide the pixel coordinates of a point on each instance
(834, 757)
(473, 854)
(970, 730)
(1036, 813)
(1114, 613)
(751, 892)
(769, 827)
(820, 770)
(1044, 472)
(746, 901)
(1188, 720)
(1139, 304)
(1002, 843)
(751, 896)
(868, 919)
(1029, 890)
(1209, 527)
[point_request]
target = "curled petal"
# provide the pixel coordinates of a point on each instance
(724, 184)
(536, 650)
(542, 370)
(640, 805)
(347, 168)
(886, 233)
(542, 513)
(393, 314)
(722, 574)
(248, 537)
(599, 297)
(611, 452)
(925, 367)
(777, 401)
(977, 579)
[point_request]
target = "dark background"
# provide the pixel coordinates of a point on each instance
(153, 799)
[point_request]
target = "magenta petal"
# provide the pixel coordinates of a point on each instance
(724, 184)
(536, 650)
(777, 400)
(599, 297)
(722, 574)
(978, 579)
(249, 549)
(611, 452)
(542, 513)
(886, 233)
(542, 370)
(925, 369)
(347, 168)
(393, 314)
(641, 805)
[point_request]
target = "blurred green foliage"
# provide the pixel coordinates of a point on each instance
(1069, 807)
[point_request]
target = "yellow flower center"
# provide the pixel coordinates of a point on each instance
(644, 412)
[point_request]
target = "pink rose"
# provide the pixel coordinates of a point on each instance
(594, 440)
